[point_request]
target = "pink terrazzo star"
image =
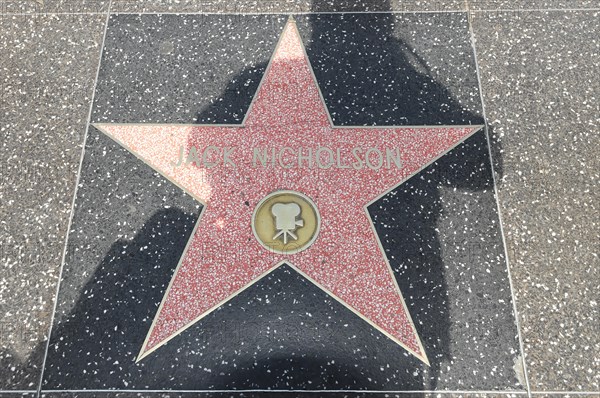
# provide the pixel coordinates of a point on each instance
(223, 257)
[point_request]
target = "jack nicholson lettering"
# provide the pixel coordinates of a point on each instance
(286, 157)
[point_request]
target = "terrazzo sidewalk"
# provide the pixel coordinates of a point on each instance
(491, 242)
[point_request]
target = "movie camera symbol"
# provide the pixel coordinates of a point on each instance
(285, 220)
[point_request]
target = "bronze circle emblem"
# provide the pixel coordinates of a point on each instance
(286, 222)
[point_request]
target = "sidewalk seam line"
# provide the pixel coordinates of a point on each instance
(498, 207)
(60, 274)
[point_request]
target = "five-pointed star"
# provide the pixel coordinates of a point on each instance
(223, 257)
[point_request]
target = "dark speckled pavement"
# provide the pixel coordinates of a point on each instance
(494, 246)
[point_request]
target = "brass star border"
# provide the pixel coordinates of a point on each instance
(288, 109)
